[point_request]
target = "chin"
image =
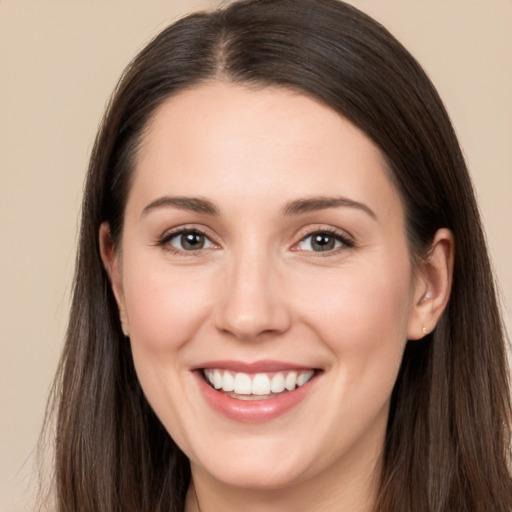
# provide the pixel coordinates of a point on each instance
(257, 477)
(253, 462)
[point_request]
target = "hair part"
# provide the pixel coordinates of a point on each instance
(447, 445)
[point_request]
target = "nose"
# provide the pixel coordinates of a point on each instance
(252, 301)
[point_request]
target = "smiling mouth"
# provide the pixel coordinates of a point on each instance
(258, 386)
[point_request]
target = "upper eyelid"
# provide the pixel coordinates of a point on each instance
(192, 228)
(341, 233)
(299, 236)
(164, 241)
(346, 239)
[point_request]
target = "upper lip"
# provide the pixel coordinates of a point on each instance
(262, 366)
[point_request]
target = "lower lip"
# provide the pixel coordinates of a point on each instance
(252, 411)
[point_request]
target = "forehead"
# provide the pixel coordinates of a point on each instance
(226, 141)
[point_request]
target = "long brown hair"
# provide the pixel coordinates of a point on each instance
(447, 445)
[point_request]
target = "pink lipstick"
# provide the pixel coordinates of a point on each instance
(254, 392)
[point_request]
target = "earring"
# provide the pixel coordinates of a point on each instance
(424, 330)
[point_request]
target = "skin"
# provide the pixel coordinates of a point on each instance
(258, 291)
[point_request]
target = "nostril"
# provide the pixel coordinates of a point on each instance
(254, 324)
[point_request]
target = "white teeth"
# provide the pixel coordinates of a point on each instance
(259, 384)
(277, 383)
(304, 377)
(217, 379)
(291, 380)
(228, 382)
(242, 384)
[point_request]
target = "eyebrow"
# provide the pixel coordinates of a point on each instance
(296, 207)
(194, 204)
(312, 204)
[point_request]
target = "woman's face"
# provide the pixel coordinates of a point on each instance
(264, 249)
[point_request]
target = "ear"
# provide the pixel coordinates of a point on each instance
(432, 286)
(112, 264)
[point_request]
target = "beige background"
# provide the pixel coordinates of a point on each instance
(59, 60)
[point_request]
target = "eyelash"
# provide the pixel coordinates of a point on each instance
(343, 239)
(165, 240)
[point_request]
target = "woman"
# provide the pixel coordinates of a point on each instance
(283, 299)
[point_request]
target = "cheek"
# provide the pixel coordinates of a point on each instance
(164, 307)
(362, 315)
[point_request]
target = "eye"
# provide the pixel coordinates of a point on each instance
(189, 240)
(322, 241)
